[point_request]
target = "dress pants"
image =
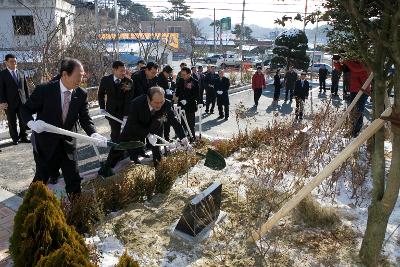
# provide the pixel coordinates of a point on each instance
(69, 167)
(257, 95)
(223, 111)
(12, 115)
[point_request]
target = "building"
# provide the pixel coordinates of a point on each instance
(28, 25)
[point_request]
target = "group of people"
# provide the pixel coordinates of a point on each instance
(140, 107)
(295, 88)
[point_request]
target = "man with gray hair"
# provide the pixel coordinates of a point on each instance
(147, 114)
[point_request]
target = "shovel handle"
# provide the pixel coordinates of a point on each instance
(112, 117)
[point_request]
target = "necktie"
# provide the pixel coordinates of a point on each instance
(117, 81)
(65, 106)
(14, 76)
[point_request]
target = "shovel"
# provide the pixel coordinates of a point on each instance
(121, 146)
(214, 160)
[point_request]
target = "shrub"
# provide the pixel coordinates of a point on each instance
(40, 228)
(127, 261)
(83, 212)
(171, 167)
(65, 256)
(311, 213)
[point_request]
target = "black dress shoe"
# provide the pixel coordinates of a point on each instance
(53, 180)
(24, 140)
(220, 117)
(226, 118)
(15, 143)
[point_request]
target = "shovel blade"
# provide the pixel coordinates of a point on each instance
(214, 160)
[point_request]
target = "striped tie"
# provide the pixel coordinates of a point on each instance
(65, 106)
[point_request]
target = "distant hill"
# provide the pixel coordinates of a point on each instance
(261, 32)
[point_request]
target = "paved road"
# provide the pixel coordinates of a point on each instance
(17, 166)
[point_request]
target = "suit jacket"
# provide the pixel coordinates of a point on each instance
(141, 83)
(10, 92)
(209, 81)
(191, 95)
(323, 73)
(141, 122)
(45, 102)
(301, 91)
(163, 83)
(117, 100)
(222, 85)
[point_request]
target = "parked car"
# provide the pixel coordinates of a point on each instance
(227, 60)
(212, 59)
(316, 66)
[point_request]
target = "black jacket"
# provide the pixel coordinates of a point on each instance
(45, 101)
(141, 84)
(189, 91)
(301, 91)
(10, 92)
(163, 83)
(209, 83)
(222, 85)
(118, 98)
(141, 122)
(323, 73)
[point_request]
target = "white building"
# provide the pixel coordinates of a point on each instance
(30, 24)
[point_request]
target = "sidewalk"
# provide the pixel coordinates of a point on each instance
(9, 204)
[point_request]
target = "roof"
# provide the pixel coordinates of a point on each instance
(211, 42)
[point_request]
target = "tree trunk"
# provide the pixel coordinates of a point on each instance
(383, 197)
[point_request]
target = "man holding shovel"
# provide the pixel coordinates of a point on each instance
(146, 117)
(61, 103)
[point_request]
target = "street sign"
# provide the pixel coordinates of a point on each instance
(226, 24)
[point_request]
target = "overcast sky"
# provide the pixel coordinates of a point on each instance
(259, 12)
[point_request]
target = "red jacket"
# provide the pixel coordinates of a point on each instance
(258, 81)
(358, 75)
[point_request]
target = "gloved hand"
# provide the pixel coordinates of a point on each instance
(123, 123)
(183, 102)
(103, 111)
(168, 92)
(37, 126)
(219, 92)
(152, 139)
(101, 141)
(184, 142)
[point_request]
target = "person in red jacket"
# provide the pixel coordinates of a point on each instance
(257, 84)
(358, 75)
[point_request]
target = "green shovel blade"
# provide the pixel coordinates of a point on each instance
(126, 145)
(214, 160)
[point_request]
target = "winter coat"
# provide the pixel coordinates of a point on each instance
(358, 74)
(300, 90)
(277, 81)
(189, 91)
(290, 79)
(258, 81)
(209, 84)
(323, 73)
(222, 84)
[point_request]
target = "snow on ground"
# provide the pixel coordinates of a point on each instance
(144, 229)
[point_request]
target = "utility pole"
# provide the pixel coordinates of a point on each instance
(305, 15)
(312, 66)
(116, 28)
(215, 44)
(241, 43)
(96, 15)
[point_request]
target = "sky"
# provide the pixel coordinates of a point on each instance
(259, 12)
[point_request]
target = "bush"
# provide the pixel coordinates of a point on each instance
(65, 256)
(311, 213)
(40, 228)
(127, 261)
(83, 212)
(171, 167)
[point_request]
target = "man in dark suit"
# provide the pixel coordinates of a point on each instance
(144, 79)
(61, 103)
(146, 117)
(200, 77)
(164, 80)
(222, 85)
(187, 92)
(323, 74)
(13, 94)
(119, 91)
(301, 94)
(210, 90)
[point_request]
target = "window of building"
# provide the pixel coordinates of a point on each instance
(23, 25)
(175, 29)
(63, 26)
